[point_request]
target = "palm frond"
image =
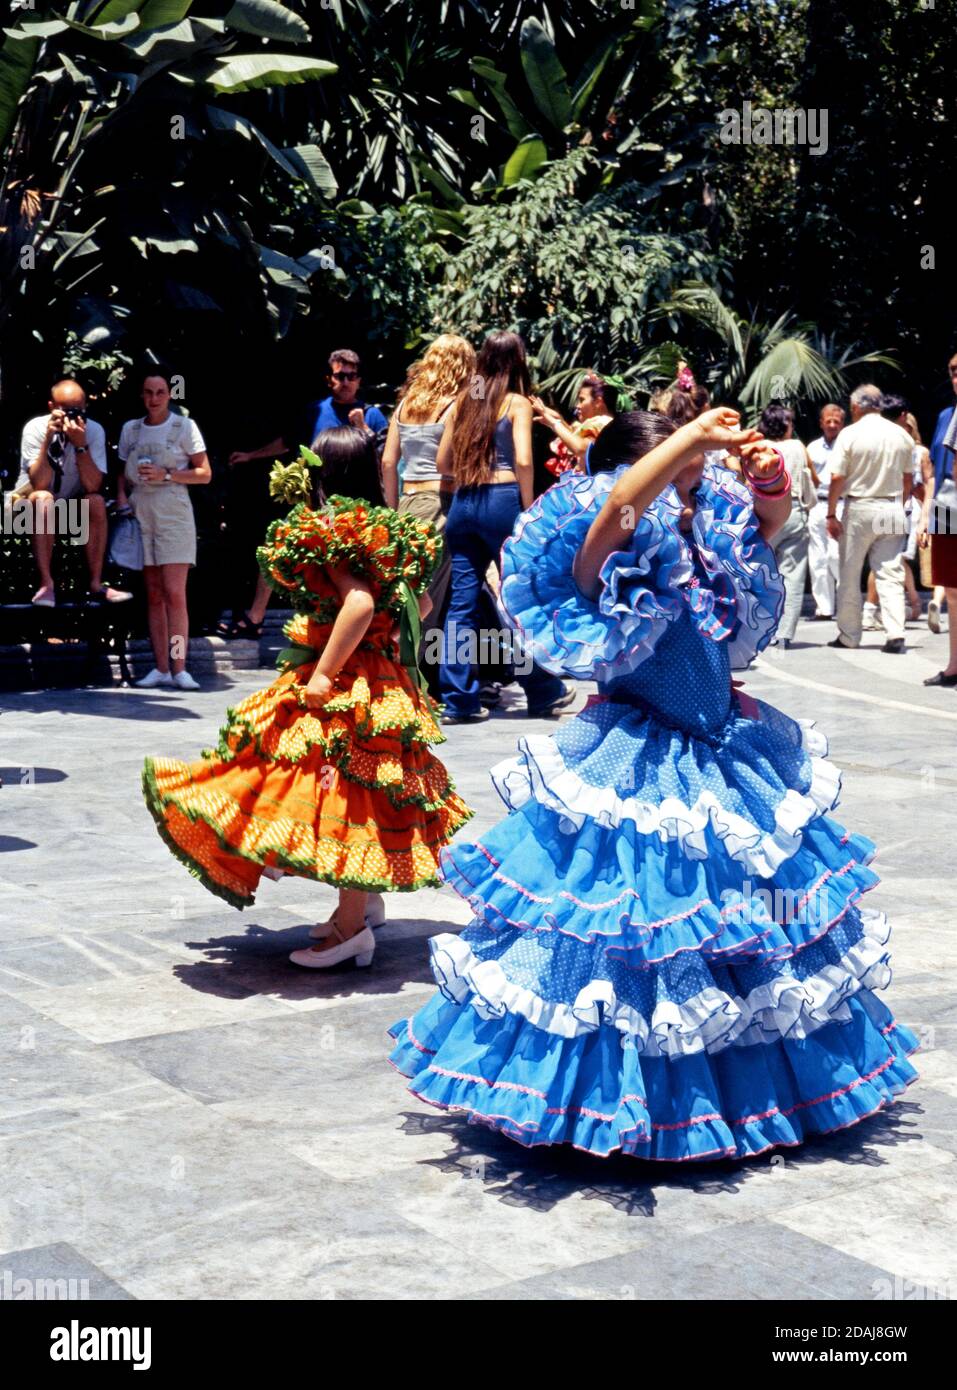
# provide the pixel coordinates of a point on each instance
(793, 368)
(702, 303)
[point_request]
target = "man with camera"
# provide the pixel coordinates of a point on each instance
(63, 457)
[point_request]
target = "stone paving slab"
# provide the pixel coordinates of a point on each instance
(185, 1115)
(751, 1262)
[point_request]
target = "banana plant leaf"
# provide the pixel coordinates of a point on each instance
(17, 59)
(529, 157)
(545, 75)
(268, 20)
(249, 72)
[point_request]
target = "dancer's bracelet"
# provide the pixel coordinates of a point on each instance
(772, 479)
(780, 492)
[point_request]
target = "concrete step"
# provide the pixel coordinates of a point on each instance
(44, 665)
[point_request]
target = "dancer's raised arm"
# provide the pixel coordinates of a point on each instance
(770, 485)
(634, 490)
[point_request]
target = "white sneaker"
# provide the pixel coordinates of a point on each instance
(872, 619)
(184, 681)
(360, 948)
(154, 677)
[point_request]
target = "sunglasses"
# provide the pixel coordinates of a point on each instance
(345, 376)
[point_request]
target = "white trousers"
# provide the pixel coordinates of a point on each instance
(874, 530)
(823, 557)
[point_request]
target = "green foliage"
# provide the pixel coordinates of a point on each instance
(17, 58)
(385, 264)
(754, 364)
(551, 164)
(131, 186)
(577, 279)
(103, 370)
(842, 238)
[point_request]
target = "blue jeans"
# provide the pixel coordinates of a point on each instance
(480, 521)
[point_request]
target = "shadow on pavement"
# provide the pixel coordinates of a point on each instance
(540, 1178)
(256, 962)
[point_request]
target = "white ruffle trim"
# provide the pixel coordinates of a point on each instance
(708, 1022)
(540, 771)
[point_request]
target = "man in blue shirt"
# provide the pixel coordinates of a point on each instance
(943, 459)
(343, 405)
(943, 554)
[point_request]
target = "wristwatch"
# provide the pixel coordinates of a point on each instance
(169, 475)
(81, 448)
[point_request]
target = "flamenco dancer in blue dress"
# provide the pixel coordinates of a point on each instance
(669, 957)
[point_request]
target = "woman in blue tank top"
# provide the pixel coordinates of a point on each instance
(486, 450)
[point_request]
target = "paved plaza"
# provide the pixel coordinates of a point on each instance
(184, 1114)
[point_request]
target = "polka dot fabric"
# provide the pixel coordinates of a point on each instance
(669, 955)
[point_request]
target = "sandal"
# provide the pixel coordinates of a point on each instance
(247, 629)
(231, 629)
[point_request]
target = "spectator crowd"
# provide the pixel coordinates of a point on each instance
(868, 498)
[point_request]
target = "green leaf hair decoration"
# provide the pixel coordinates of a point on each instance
(626, 400)
(290, 482)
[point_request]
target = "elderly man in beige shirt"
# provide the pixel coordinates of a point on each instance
(872, 472)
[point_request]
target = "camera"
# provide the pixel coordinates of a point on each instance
(75, 412)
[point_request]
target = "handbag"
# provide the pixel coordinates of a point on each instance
(126, 542)
(943, 511)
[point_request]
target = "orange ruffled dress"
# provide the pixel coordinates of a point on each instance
(348, 794)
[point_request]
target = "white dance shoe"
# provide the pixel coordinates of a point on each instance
(375, 917)
(360, 948)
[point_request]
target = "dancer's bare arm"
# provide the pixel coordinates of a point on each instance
(351, 625)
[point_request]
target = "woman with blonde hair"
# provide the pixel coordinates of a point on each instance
(415, 432)
(486, 451)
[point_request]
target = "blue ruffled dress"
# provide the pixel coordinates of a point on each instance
(668, 956)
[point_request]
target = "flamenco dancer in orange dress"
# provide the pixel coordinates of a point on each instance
(327, 774)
